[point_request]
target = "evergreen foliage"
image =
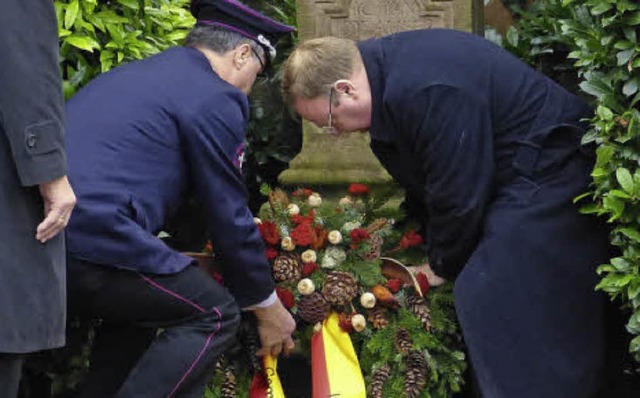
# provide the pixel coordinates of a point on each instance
(601, 38)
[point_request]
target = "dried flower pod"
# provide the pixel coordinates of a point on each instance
(287, 244)
(314, 200)
(335, 237)
(359, 322)
(309, 256)
(368, 300)
(293, 209)
(306, 287)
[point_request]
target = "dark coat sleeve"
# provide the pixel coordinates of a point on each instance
(214, 141)
(31, 101)
(454, 142)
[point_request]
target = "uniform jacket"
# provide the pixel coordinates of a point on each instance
(141, 139)
(32, 275)
(449, 112)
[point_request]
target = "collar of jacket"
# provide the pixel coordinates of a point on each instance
(373, 58)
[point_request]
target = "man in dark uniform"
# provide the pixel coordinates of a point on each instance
(488, 151)
(36, 199)
(141, 138)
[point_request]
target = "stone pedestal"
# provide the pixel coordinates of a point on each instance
(336, 161)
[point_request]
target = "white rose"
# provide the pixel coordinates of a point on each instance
(309, 256)
(293, 209)
(335, 237)
(315, 200)
(287, 244)
(346, 201)
(306, 286)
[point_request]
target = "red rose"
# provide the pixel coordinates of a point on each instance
(423, 281)
(302, 192)
(299, 219)
(286, 297)
(302, 235)
(358, 235)
(410, 239)
(358, 189)
(269, 232)
(309, 268)
(271, 253)
(394, 285)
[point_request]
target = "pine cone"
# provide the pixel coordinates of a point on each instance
(404, 343)
(376, 225)
(339, 288)
(221, 364)
(313, 308)
(375, 247)
(419, 307)
(378, 317)
(229, 389)
(378, 378)
(287, 267)
(415, 376)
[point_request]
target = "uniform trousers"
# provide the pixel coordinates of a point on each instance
(10, 370)
(160, 336)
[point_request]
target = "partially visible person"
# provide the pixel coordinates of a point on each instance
(142, 140)
(489, 153)
(36, 199)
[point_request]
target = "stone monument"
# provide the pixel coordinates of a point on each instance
(331, 161)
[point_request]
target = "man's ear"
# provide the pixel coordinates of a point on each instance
(344, 86)
(241, 55)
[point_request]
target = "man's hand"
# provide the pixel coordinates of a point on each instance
(59, 200)
(434, 280)
(275, 326)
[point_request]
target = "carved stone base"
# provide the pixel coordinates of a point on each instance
(334, 160)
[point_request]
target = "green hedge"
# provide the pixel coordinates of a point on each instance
(600, 40)
(97, 35)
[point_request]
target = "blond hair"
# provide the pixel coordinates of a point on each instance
(315, 65)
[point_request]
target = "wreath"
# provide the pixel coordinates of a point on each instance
(342, 264)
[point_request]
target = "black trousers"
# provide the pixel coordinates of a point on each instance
(160, 335)
(10, 370)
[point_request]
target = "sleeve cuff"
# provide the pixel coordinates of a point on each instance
(264, 303)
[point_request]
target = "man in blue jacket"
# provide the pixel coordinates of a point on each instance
(488, 151)
(143, 138)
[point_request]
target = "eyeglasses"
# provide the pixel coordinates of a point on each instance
(329, 127)
(263, 68)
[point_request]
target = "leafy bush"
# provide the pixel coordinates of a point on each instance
(97, 35)
(601, 37)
